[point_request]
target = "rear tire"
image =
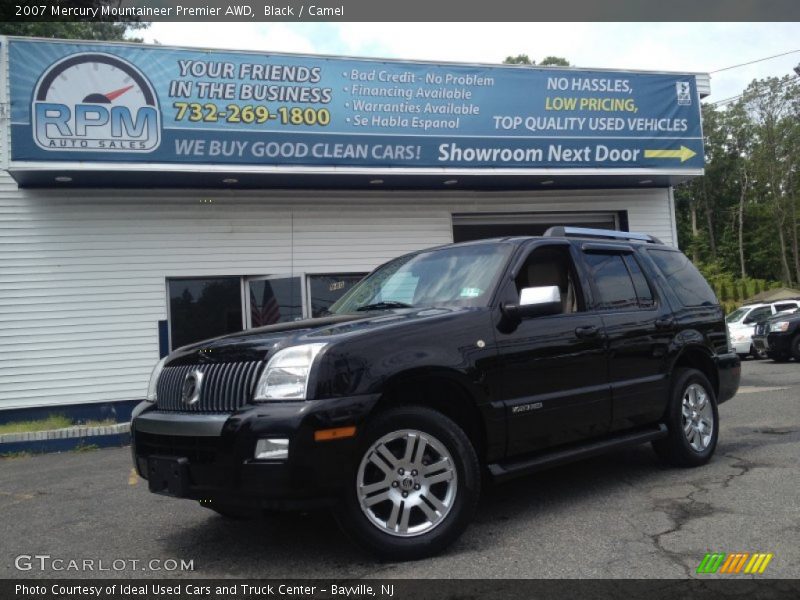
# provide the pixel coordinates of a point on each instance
(692, 421)
(414, 487)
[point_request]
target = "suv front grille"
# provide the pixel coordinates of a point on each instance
(760, 329)
(199, 450)
(225, 386)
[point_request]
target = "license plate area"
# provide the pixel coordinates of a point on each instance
(168, 475)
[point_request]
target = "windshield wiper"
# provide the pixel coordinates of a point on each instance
(384, 305)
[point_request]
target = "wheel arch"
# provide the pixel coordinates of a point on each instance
(698, 357)
(443, 390)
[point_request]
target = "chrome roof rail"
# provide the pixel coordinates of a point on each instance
(612, 234)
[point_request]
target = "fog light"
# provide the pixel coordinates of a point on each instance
(272, 449)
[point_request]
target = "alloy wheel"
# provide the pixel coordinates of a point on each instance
(407, 483)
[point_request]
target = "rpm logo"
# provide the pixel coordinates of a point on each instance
(95, 102)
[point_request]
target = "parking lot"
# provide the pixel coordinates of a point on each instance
(621, 515)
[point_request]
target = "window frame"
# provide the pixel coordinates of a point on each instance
(621, 250)
(168, 298)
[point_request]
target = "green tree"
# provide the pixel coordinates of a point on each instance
(519, 59)
(548, 61)
(554, 61)
(75, 30)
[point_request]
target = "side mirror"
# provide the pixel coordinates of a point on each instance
(535, 302)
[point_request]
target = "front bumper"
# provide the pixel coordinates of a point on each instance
(729, 369)
(216, 451)
(779, 343)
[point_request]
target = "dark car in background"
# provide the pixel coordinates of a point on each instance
(779, 336)
(442, 369)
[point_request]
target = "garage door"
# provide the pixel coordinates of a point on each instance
(474, 226)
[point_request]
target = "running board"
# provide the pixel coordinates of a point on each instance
(514, 468)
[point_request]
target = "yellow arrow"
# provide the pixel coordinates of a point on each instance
(684, 153)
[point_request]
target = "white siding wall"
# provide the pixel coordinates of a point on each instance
(82, 273)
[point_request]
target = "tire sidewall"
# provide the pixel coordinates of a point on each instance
(680, 446)
(357, 525)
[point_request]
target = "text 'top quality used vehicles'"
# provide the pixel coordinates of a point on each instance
(441, 370)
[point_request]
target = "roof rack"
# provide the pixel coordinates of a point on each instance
(612, 234)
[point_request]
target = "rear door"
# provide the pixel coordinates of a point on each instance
(554, 371)
(639, 328)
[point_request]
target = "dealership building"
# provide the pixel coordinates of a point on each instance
(153, 196)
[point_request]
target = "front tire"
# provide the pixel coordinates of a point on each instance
(414, 487)
(779, 357)
(795, 346)
(692, 421)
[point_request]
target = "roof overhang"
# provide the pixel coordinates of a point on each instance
(136, 175)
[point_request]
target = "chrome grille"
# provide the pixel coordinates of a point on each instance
(760, 329)
(226, 386)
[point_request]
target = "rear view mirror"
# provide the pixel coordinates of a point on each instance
(535, 302)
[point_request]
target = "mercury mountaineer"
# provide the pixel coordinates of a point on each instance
(441, 370)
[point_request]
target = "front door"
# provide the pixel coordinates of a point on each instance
(555, 384)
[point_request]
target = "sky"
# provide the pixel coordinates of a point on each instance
(689, 47)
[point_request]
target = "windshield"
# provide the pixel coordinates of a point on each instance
(736, 315)
(454, 276)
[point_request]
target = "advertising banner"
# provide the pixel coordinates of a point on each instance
(128, 103)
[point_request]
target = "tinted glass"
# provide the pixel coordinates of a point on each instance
(785, 306)
(736, 315)
(203, 308)
(682, 276)
(325, 290)
(758, 314)
(453, 276)
(275, 301)
(643, 291)
(612, 280)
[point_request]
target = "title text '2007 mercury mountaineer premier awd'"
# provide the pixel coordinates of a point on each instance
(441, 369)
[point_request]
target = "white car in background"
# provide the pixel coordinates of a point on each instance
(742, 322)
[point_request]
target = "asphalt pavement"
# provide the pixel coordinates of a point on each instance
(621, 515)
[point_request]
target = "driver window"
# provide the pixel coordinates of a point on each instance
(552, 265)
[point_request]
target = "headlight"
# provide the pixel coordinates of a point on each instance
(286, 374)
(779, 326)
(151, 388)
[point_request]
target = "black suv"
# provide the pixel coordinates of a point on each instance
(779, 336)
(439, 370)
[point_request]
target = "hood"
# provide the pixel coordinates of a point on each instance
(258, 343)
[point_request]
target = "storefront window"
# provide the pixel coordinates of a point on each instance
(324, 290)
(203, 308)
(275, 300)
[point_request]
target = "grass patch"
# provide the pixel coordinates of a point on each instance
(94, 423)
(51, 422)
(85, 447)
(13, 455)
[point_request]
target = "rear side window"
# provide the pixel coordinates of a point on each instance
(643, 291)
(785, 306)
(612, 281)
(682, 276)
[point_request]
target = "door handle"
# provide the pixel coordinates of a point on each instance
(586, 332)
(665, 322)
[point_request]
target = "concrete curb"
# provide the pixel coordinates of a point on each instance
(69, 438)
